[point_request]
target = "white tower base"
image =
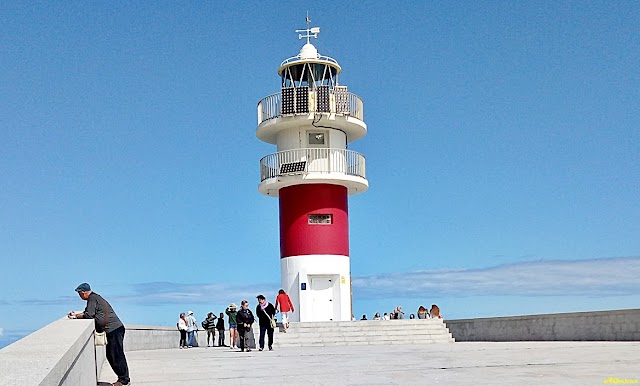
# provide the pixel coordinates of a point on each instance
(319, 287)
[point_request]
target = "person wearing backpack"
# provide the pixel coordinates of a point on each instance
(209, 324)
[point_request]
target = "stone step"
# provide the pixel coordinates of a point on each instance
(368, 323)
(376, 335)
(365, 330)
(372, 332)
(367, 341)
(359, 343)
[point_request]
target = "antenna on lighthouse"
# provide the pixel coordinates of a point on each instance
(310, 32)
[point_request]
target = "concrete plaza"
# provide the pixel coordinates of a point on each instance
(566, 363)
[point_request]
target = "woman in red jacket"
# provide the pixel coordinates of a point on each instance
(285, 307)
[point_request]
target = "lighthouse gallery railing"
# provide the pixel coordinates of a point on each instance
(312, 160)
(341, 102)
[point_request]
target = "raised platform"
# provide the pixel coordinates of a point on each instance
(521, 363)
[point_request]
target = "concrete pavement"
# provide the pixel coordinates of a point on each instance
(579, 363)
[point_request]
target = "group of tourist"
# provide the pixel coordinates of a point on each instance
(422, 313)
(240, 323)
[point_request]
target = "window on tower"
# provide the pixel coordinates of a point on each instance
(320, 219)
(316, 138)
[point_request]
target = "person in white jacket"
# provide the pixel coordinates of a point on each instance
(182, 327)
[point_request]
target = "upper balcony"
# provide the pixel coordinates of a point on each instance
(333, 107)
(313, 166)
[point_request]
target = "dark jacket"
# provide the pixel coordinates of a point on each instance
(102, 313)
(245, 316)
(265, 316)
(220, 324)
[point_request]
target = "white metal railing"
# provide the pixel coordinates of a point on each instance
(271, 107)
(296, 58)
(312, 160)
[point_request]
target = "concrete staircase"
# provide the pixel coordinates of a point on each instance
(365, 332)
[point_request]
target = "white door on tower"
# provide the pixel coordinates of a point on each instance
(322, 298)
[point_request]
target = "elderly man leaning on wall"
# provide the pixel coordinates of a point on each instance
(106, 320)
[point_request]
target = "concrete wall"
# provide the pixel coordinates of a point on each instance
(154, 337)
(62, 353)
(620, 325)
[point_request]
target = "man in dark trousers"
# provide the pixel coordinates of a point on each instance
(106, 320)
(265, 312)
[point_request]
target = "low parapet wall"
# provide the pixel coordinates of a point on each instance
(619, 325)
(62, 353)
(154, 337)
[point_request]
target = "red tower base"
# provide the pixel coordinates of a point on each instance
(301, 207)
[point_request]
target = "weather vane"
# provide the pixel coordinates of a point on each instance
(310, 32)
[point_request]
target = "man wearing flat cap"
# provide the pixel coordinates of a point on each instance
(107, 321)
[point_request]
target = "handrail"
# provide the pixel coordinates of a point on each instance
(271, 106)
(313, 161)
(322, 58)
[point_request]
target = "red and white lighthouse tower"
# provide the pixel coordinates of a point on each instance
(312, 120)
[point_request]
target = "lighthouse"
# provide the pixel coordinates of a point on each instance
(312, 120)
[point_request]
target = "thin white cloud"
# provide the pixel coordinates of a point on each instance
(595, 277)
(1, 332)
(60, 300)
(179, 293)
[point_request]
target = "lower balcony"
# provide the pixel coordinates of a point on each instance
(312, 166)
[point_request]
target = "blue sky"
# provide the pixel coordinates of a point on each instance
(502, 155)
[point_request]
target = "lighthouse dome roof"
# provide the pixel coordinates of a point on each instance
(308, 51)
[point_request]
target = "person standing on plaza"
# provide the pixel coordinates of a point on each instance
(220, 328)
(244, 319)
(423, 313)
(192, 327)
(265, 312)
(285, 308)
(209, 324)
(107, 321)
(399, 313)
(435, 312)
(182, 327)
(233, 325)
